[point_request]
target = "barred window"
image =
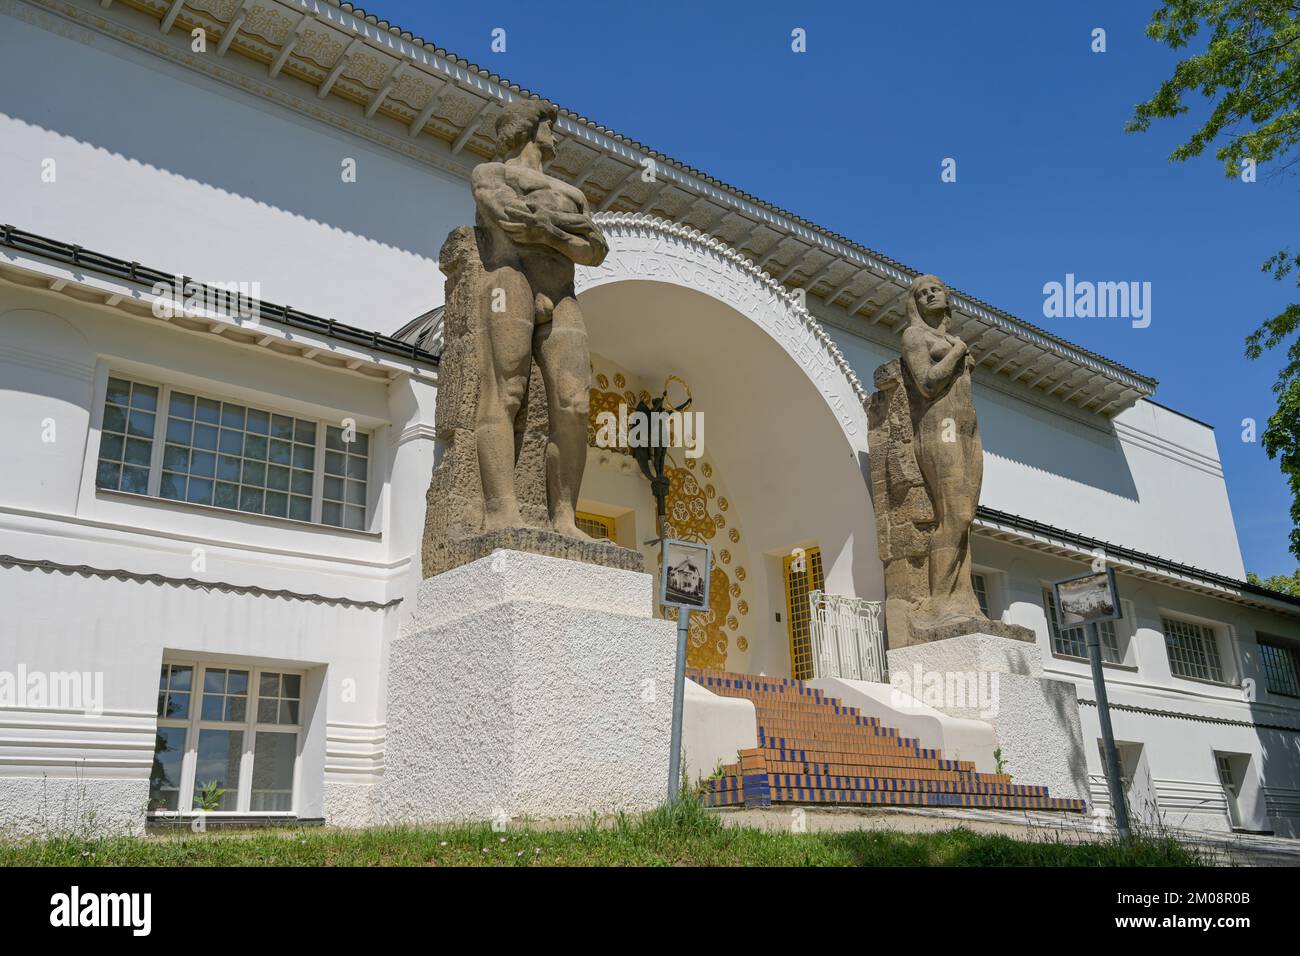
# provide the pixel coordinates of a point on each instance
(1072, 641)
(1193, 650)
(231, 455)
(1281, 666)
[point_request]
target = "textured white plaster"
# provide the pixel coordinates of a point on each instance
(350, 804)
(61, 806)
(549, 705)
(1036, 719)
(515, 576)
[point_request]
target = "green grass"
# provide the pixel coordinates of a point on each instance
(683, 836)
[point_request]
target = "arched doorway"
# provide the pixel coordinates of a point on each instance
(783, 460)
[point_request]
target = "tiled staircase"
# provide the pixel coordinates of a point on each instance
(813, 749)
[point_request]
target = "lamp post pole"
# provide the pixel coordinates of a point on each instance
(679, 689)
(1118, 804)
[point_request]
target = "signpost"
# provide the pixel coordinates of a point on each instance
(1088, 599)
(683, 584)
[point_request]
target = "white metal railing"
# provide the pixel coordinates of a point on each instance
(848, 639)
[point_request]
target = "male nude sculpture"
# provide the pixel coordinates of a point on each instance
(537, 228)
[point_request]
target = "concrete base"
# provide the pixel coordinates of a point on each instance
(1000, 681)
(528, 686)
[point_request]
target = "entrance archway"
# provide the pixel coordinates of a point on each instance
(785, 429)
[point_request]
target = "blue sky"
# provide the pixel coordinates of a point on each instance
(851, 135)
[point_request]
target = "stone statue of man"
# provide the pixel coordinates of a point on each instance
(537, 228)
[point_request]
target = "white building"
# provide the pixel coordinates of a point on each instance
(238, 502)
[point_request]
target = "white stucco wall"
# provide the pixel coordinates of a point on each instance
(163, 165)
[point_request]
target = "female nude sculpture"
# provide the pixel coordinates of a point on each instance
(937, 373)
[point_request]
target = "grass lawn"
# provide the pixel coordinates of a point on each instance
(686, 835)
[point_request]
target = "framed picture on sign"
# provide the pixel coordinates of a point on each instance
(1087, 598)
(684, 577)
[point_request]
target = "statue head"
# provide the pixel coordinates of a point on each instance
(523, 122)
(927, 302)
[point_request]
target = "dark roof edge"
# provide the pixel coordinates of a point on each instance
(13, 238)
(1117, 550)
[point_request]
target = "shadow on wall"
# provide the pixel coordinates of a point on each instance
(224, 139)
(1023, 433)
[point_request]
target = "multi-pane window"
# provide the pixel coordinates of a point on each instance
(126, 445)
(231, 750)
(232, 455)
(981, 592)
(803, 575)
(347, 461)
(239, 457)
(1281, 667)
(595, 526)
(1193, 650)
(1072, 641)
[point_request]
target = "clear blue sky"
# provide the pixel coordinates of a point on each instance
(851, 135)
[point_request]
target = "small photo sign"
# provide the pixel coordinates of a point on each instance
(1087, 598)
(684, 577)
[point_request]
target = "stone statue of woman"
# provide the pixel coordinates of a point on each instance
(936, 373)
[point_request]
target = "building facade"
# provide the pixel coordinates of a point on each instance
(231, 501)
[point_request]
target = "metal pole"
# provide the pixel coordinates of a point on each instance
(1117, 801)
(679, 691)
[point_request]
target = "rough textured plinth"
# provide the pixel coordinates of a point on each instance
(549, 543)
(528, 686)
(980, 625)
(1036, 719)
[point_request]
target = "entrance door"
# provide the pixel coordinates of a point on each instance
(803, 575)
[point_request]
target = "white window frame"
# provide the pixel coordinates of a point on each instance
(1122, 631)
(1220, 637)
(250, 726)
(1289, 648)
(160, 440)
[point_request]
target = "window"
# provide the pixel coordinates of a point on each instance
(595, 526)
(347, 456)
(126, 443)
(803, 575)
(1193, 650)
(1281, 666)
(230, 455)
(1072, 641)
(227, 739)
(981, 592)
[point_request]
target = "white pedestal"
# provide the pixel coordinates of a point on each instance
(1036, 719)
(528, 686)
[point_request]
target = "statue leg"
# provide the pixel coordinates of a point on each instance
(503, 384)
(565, 363)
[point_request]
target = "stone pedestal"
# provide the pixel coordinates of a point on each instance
(528, 686)
(1036, 719)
